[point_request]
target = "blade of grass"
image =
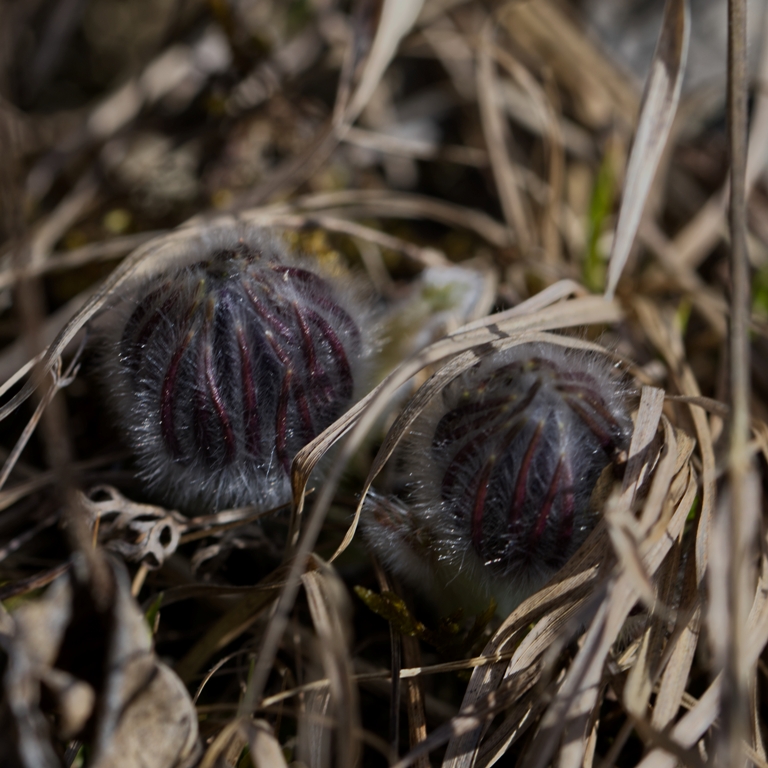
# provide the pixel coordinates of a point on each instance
(660, 100)
(741, 515)
(496, 133)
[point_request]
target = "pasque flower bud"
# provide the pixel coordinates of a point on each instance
(501, 469)
(225, 364)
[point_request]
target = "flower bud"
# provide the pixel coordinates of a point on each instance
(225, 364)
(502, 466)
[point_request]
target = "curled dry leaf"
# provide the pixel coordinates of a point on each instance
(78, 670)
(139, 532)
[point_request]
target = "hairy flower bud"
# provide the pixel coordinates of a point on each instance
(502, 467)
(224, 365)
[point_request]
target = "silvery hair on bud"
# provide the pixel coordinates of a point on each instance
(501, 470)
(226, 360)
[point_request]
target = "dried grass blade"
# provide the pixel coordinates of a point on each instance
(27, 433)
(639, 686)
(510, 731)
(756, 722)
(668, 342)
(314, 728)
(550, 236)
(265, 748)
(697, 238)
(646, 425)
(572, 708)
(624, 539)
(707, 403)
(416, 148)
(14, 358)
(569, 712)
(705, 298)
(417, 719)
(326, 597)
(231, 624)
(472, 717)
(496, 135)
(662, 480)
(560, 602)
(546, 31)
(395, 21)
(589, 752)
(694, 724)
(757, 152)
(77, 257)
(21, 373)
(660, 100)
(675, 677)
(547, 117)
(373, 202)
(650, 659)
(740, 518)
(551, 632)
(556, 292)
(60, 381)
(758, 617)
(227, 736)
(689, 729)
(659, 739)
(72, 207)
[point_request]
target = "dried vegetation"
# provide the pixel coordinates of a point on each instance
(402, 136)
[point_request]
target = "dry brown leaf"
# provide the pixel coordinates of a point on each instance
(107, 686)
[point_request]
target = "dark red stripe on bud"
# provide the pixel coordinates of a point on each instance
(167, 399)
